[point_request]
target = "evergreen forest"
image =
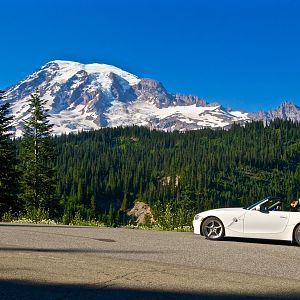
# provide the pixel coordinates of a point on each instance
(101, 173)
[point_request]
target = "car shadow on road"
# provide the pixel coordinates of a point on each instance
(77, 250)
(27, 290)
(259, 241)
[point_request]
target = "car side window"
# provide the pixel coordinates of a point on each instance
(271, 205)
(277, 206)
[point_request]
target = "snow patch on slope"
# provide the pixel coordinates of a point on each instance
(142, 113)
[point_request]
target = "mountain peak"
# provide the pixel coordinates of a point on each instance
(288, 104)
(70, 68)
(93, 67)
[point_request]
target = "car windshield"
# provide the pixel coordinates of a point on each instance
(255, 204)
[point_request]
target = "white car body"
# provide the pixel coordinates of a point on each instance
(252, 222)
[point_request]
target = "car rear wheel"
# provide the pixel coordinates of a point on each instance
(297, 234)
(213, 229)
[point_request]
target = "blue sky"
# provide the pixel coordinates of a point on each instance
(243, 54)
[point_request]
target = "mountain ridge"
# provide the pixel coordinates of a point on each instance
(90, 96)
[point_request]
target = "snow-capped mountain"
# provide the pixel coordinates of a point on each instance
(91, 96)
(84, 97)
(77, 95)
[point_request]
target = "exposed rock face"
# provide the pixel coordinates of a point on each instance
(182, 99)
(121, 89)
(167, 180)
(153, 91)
(140, 212)
(285, 111)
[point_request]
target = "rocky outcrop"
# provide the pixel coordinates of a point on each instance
(141, 214)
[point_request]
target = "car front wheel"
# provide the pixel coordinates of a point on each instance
(297, 234)
(213, 229)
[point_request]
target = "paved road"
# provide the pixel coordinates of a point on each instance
(63, 262)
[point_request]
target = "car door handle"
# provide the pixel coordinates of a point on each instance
(283, 217)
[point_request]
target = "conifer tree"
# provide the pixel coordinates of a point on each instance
(37, 155)
(8, 172)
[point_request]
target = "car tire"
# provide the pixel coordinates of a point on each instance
(213, 229)
(297, 234)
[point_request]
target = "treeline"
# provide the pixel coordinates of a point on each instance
(98, 175)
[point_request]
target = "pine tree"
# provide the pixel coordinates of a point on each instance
(37, 155)
(124, 203)
(93, 207)
(8, 174)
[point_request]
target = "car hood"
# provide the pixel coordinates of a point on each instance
(233, 209)
(228, 209)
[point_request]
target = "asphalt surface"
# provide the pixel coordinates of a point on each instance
(69, 262)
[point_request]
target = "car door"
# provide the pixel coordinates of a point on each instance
(265, 222)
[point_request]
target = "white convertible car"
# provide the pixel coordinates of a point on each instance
(263, 220)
